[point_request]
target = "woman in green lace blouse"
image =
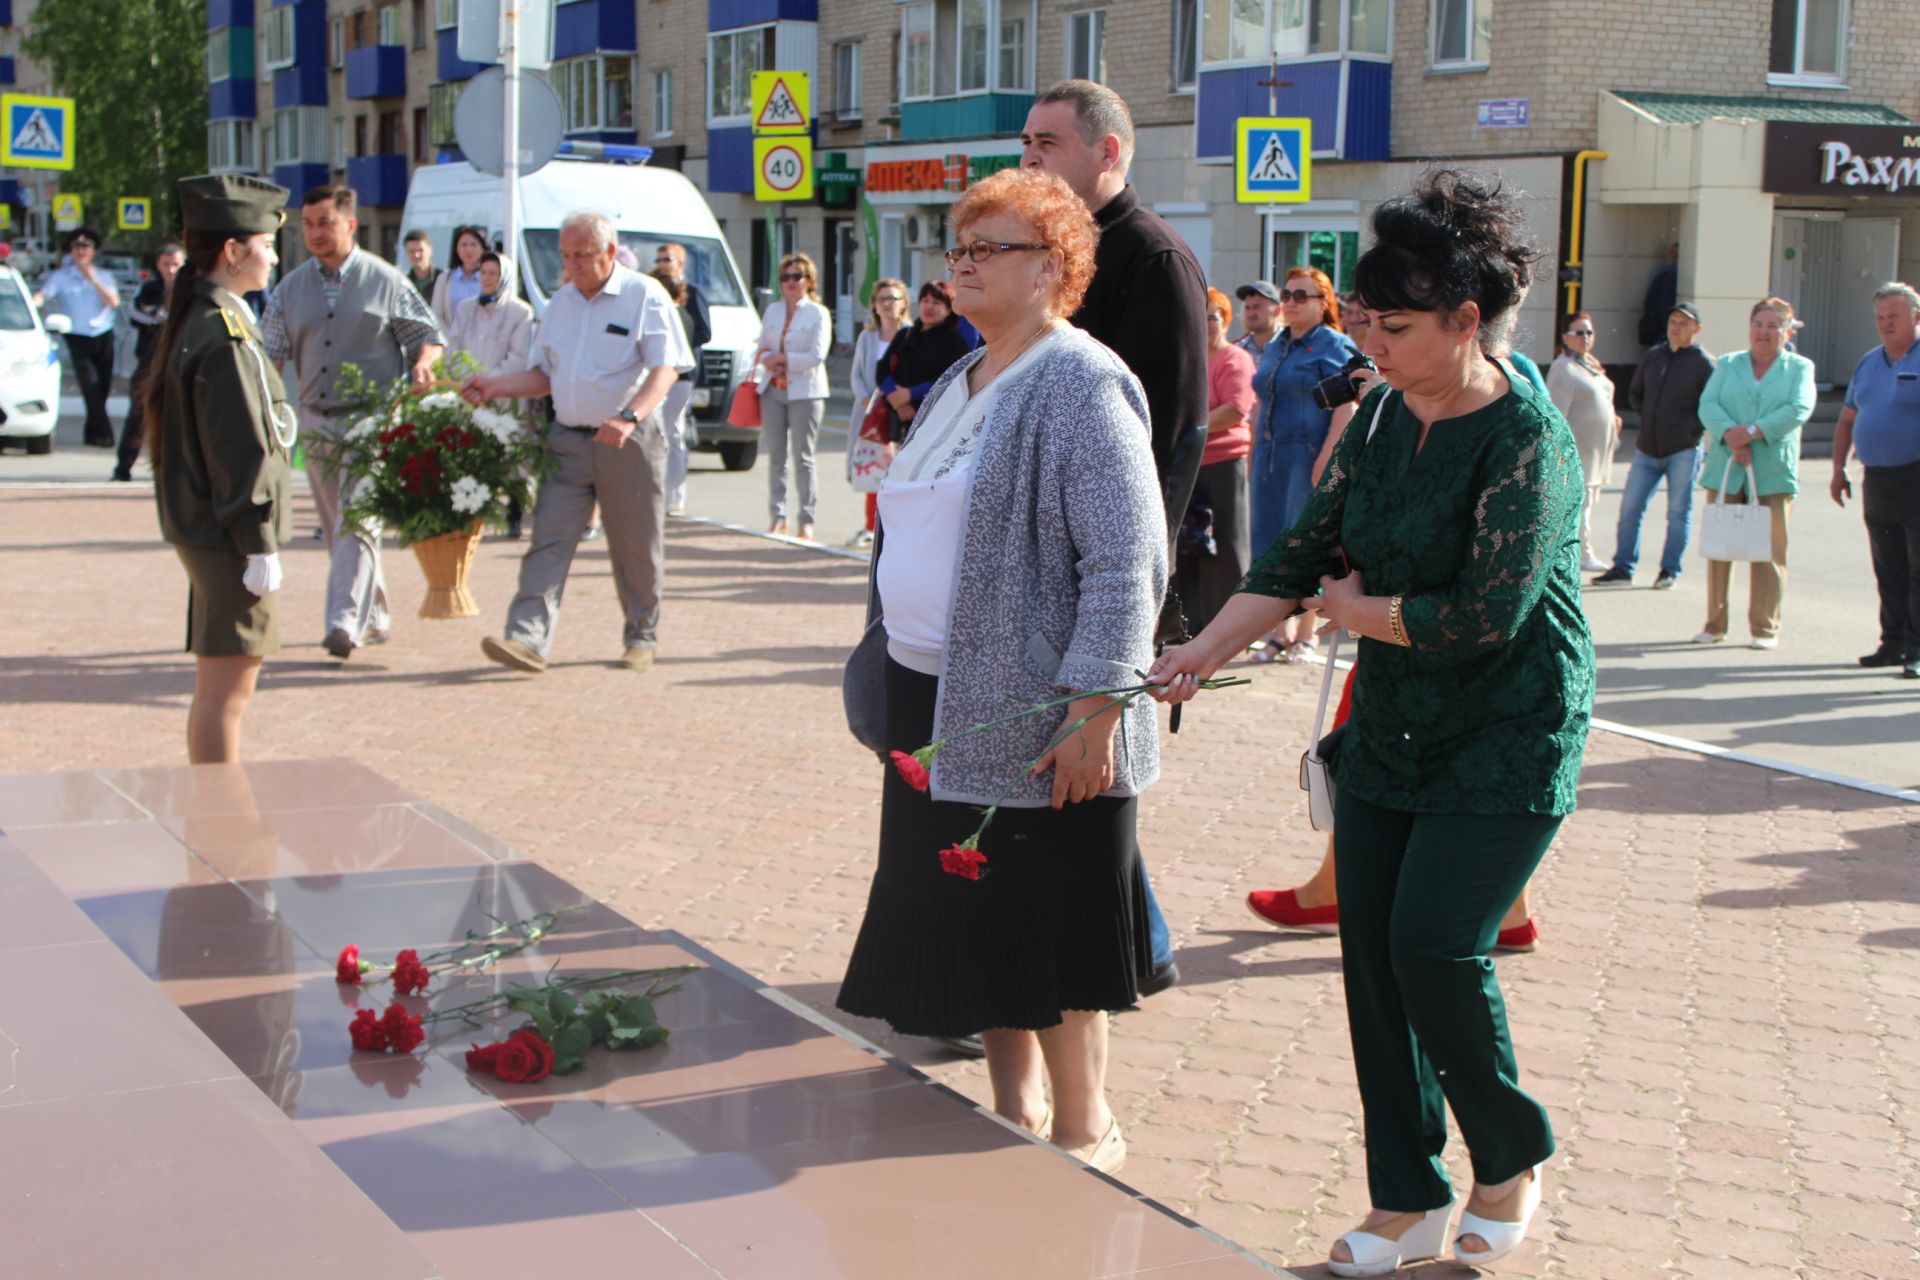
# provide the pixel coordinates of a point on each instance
(1455, 497)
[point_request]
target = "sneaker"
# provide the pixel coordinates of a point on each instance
(1710, 637)
(592, 534)
(1883, 658)
(1766, 642)
(864, 538)
(513, 653)
(1666, 581)
(1614, 577)
(638, 657)
(1593, 564)
(1911, 671)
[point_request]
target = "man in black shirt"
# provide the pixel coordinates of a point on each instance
(421, 273)
(148, 313)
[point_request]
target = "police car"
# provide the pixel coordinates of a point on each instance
(29, 367)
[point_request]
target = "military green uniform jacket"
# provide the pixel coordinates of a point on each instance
(227, 434)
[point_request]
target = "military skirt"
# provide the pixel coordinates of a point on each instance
(224, 619)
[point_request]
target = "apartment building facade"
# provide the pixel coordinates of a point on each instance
(1718, 121)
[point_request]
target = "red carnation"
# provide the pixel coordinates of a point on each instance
(348, 968)
(963, 859)
(524, 1058)
(367, 1032)
(454, 438)
(911, 769)
(409, 975)
(402, 1029)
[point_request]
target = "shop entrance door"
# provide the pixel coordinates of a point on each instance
(1828, 265)
(1305, 240)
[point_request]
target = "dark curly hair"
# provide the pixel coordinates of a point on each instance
(1457, 237)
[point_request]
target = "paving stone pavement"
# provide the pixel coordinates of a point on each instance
(1720, 1018)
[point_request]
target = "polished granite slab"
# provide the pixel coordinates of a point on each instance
(199, 910)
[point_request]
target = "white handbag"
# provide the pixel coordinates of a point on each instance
(1314, 778)
(1737, 530)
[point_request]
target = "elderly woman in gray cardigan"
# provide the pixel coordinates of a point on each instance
(1021, 557)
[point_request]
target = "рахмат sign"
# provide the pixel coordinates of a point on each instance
(1841, 160)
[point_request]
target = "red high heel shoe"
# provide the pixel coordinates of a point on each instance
(1282, 907)
(1520, 939)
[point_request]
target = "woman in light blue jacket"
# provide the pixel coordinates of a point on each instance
(1753, 408)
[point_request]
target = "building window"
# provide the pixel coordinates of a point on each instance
(417, 29)
(446, 13)
(440, 100)
(276, 37)
(1462, 33)
(220, 59)
(663, 102)
(1242, 32)
(300, 135)
(230, 147)
(597, 91)
(916, 52)
(846, 81)
(389, 25)
(420, 143)
(1016, 66)
(732, 58)
(1809, 41)
(970, 72)
(393, 137)
(1186, 43)
(337, 43)
(1087, 45)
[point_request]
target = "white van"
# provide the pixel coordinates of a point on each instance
(650, 207)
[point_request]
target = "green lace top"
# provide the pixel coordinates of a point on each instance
(1488, 711)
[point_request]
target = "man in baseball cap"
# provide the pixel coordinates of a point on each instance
(1259, 316)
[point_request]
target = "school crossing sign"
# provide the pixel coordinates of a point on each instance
(36, 132)
(1273, 160)
(781, 102)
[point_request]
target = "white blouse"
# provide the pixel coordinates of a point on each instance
(923, 510)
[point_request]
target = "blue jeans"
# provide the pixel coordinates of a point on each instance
(1160, 939)
(1643, 476)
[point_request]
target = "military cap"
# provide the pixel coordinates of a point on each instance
(232, 203)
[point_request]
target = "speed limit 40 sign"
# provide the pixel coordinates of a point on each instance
(783, 168)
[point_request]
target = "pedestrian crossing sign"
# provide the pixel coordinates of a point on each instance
(67, 212)
(36, 132)
(136, 214)
(1273, 160)
(781, 102)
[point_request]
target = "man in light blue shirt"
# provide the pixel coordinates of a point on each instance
(87, 298)
(1881, 424)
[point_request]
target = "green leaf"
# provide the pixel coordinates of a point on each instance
(572, 1039)
(637, 1011)
(562, 1005)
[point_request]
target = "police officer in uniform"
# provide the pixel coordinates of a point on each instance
(221, 434)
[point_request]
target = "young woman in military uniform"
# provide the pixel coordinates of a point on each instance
(221, 437)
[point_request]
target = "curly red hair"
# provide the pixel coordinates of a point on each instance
(1059, 219)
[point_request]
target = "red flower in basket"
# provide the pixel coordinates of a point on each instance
(454, 438)
(963, 859)
(409, 975)
(348, 968)
(522, 1058)
(911, 768)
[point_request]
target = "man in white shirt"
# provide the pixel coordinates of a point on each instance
(607, 352)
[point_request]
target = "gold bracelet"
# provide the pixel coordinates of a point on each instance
(1393, 623)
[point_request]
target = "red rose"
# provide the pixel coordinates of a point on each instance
(409, 975)
(962, 860)
(480, 1057)
(347, 968)
(367, 1031)
(524, 1058)
(402, 1029)
(910, 769)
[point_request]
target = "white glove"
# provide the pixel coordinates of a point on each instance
(264, 575)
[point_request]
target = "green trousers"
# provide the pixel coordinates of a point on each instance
(1421, 896)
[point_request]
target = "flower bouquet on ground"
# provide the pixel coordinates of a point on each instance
(434, 469)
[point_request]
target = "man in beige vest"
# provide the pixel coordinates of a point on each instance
(345, 306)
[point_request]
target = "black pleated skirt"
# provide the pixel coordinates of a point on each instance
(1057, 920)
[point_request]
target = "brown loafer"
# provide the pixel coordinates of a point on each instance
(638, 658)
(513, 653)
(1106, 1155)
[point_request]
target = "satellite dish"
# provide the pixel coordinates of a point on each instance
(480, 111)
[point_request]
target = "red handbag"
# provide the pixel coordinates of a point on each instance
(744, 411)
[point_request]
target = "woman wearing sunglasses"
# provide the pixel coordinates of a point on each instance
(794, 338)
(1581, 390)
(1289, 428)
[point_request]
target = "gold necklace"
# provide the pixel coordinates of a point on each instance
(1045, 327)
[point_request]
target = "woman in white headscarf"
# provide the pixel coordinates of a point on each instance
(495, 327)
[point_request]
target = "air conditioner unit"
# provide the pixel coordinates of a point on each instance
(926, 231)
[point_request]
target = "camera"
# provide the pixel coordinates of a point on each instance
(1331, 393)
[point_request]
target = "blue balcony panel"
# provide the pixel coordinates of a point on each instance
(299, 179)
(6, 70)
(1369, 111)
(380, 181)
(725, 15)
(301, 85)
(229, 13)
(232, 100)
(448, 61)
(6, 13)
(730, 159)
(377, 71)
(981, 115)
(310, 36)
(9, 191)
(588, 25)
(1225, 96)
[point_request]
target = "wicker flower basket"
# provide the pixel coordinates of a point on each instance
(445, 561)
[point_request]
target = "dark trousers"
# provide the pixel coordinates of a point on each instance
(1421, 896)
(1207, 582)
(133, 432)
(1890, 497)
(93, 370)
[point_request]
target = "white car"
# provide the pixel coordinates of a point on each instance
(29, 367)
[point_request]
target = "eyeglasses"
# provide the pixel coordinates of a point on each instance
(981, 250)
(1579, 333)
(1300, 295)
(786, 276)
(83, 244)
(889, 297)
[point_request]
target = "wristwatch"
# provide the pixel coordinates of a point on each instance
(627, 415)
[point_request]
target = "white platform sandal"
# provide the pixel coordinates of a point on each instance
(1378, 1256)
(1502, 1238)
